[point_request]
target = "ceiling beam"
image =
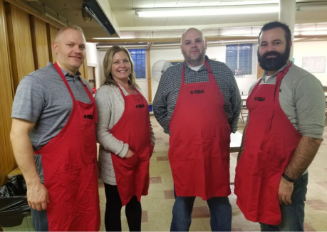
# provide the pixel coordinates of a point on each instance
(148, 47)
(184, 27)
(176, 39)
(25, 7)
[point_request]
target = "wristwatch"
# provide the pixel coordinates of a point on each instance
(288, 178)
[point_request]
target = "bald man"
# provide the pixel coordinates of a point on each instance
(198, 104)
(53, 138)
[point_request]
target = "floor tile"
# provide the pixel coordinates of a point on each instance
(169, 194)
(317, 204)
(155, 180)
(162, 158)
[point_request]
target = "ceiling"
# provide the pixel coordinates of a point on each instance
(129, 26)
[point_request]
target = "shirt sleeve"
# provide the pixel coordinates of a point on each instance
(160, 104)
(29, 101)
(104, 137)
(236, 102)
(310, 105)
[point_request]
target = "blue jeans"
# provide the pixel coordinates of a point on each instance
(292, 215)
(40, 220)
(220, 211)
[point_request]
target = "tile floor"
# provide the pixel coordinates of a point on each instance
(158, 204)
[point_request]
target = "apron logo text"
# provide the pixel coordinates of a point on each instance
(259, 98)
(90, 116)
(198, 91)
(140, 106)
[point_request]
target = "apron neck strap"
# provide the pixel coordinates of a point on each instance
(211, 77)
(279, 78)
(64, 79)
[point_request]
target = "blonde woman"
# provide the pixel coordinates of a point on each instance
(126, 138)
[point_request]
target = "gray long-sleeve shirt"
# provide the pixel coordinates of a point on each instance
(302, 99)
(110, 105)
(165, 99)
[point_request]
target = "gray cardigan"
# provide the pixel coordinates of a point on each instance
(110, 105)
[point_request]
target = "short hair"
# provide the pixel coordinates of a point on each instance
(107, 64)
(63, 29)
(276, 24)
(192, 28)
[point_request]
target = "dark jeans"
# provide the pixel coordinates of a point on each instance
(292, 215)
(220, 212)
(113, 211)
(40, 220)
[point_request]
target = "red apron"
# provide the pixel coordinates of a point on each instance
(199, 140)
(270, 141)
(69, 163)
(133, 128)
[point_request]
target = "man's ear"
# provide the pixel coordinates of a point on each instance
(290, 43)
(55, 47)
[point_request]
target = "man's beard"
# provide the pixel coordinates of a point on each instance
(193, 61)
(272, 64)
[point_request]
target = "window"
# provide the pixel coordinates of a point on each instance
(138, 57)
(239, 58)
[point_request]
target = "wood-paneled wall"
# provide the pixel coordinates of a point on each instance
(40, 42)
(52, 31)
(83, 69)
(19, 34)
(24, 47)
(7, 160)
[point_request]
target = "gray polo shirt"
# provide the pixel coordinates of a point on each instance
(43, 98)
(302, 99)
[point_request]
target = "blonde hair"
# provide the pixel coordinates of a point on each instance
(107, 64)
(63, 29)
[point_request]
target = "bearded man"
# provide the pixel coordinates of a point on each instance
(283, 133)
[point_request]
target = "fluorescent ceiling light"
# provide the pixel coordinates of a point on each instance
(189, 4)
(190, 12)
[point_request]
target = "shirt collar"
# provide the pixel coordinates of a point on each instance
(67, 74)
(206, 59)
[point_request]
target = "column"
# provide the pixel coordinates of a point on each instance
(287, 10)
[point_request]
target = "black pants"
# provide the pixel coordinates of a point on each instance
(113, 210)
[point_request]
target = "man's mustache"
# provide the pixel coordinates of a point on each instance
(277, 54)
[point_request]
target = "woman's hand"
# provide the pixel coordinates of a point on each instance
(129, 154)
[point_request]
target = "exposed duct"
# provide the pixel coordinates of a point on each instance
(93, 8)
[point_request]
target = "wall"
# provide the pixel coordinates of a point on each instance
(25, 45)
(311, 49)
(92, 57)
(217, 52)
(7, 160)
(302, 49)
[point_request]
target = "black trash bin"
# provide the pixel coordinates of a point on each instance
(13, 202)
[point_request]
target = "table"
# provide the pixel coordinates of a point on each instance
(235, 142)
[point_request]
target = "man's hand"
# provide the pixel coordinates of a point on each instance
(129, 154)
(285, 191)
(37, 196)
